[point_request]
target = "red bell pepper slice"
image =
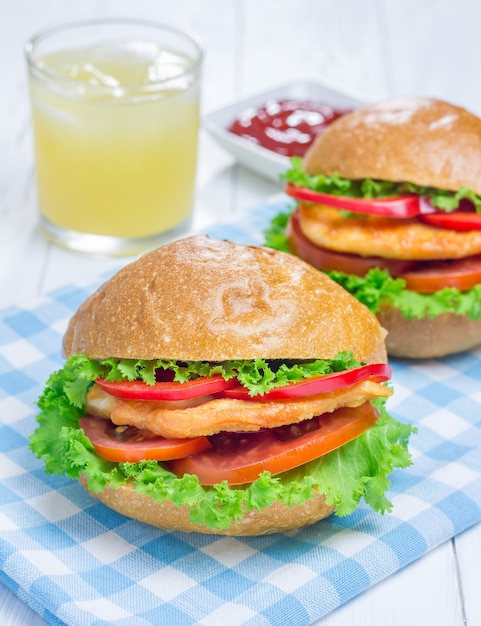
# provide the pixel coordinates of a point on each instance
(138, 390)
(401, 207)
(379, 372)
(456, 220)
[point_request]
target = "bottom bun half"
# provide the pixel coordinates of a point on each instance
(426, 338)
(275, 518)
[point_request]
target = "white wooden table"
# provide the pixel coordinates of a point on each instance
(373, 49)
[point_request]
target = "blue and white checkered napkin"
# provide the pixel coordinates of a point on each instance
(78, 563)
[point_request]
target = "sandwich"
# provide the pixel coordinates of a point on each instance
(220, 388)
(387, 202)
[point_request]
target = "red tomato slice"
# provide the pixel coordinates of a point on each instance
(400, 207)
(456, 220)
(128, 444)
(257, 452)
(138, 390)
(330, 260)
(462, 274)
(313, 386)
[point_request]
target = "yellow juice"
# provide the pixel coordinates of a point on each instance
(115, 142)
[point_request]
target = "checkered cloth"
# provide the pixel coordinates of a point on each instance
(76, 562)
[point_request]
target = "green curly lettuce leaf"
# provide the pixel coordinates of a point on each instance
(368, 188)
(257, 375)
(378, 287)
(360, 469)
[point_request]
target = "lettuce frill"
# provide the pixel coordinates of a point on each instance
(359, 469)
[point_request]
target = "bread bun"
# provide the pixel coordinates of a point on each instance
(419, 140)
(199, 299)
(210, 300)
(428, 338)
(403, 139)
(275, 518)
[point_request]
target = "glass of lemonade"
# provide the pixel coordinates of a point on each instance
(115, 107)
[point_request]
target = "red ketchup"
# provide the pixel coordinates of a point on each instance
(287, 127)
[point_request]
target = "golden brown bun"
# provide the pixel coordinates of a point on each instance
(273, 519)
(428, 338)
(203, 299)
(419, 140)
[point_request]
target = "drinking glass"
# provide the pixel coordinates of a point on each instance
(115, 110)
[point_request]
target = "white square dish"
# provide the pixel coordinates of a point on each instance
(253, 156)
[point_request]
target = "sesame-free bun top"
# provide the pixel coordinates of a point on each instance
(419, 140)
(201, 299)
